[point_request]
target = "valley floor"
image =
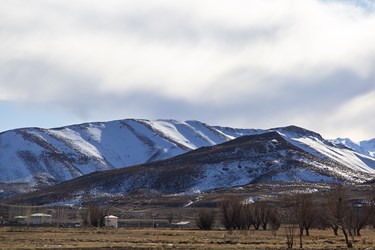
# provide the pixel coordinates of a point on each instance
(125, 238)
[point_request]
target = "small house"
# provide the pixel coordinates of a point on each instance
(40, 219)
(20, 220)
(111, 221)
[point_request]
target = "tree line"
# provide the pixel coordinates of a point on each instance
(296, 214)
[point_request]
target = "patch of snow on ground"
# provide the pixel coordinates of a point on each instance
(249, 200)
(190, 192)
(215, 176)
(70, 203)
(193, 201)
(189, 203)
(303, 175)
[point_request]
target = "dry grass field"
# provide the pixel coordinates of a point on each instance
(137, 215)
(125, 238)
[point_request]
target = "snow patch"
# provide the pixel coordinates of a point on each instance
(76, 141)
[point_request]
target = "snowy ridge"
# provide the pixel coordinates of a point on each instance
(69, 152)
(364, 147)
(42, 157)
(314, 144)
(259, 158)
(369, 147)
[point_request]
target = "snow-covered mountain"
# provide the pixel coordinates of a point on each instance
(38, 157)
(366, 147)
(258, 158)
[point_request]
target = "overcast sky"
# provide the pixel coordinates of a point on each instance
(240, 63)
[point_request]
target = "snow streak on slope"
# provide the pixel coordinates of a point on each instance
(75, 142)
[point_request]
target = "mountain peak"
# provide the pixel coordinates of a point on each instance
(297, 131)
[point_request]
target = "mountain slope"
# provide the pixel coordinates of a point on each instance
(39, 157)
(366, 147)
(316, 145)
(68, 152)
(266, 157)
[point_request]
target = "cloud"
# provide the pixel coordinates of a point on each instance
(356, 115)
(245, 63)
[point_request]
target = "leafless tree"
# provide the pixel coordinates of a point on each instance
(95, 214)
(256, 216)
(236, 214)
(27, 211)
(260, 215)
(205, 219)
(60, 216)
(274, 220)
(305, 212)
(170, 217)
(264, 215)
(247, 216)
(290, 225)
(231, 212)
(361, 214)
(339, 212)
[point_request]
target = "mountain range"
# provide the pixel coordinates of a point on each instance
(174, 157)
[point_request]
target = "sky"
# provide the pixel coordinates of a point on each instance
(239, 63)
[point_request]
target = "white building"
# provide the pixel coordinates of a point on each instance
(21, 220)
(40, 219)
(111, 221)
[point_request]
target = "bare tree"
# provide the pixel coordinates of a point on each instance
(306, 212)
(274, 220)
(95, 214)
(361, 215)
(28, 210)
(205, 219)
(264, 215)
(290, 225)
(60, 216)
(236, 214)
(247, 216)
(231, 212)
(257, 221)
(339, 212)
(170, 217)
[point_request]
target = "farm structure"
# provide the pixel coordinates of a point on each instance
(40, 219)
(111, 221)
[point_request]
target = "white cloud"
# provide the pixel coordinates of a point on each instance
(355, 116)
(220, 54)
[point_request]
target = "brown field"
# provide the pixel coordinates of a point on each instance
(132, 238)
(140, 212)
